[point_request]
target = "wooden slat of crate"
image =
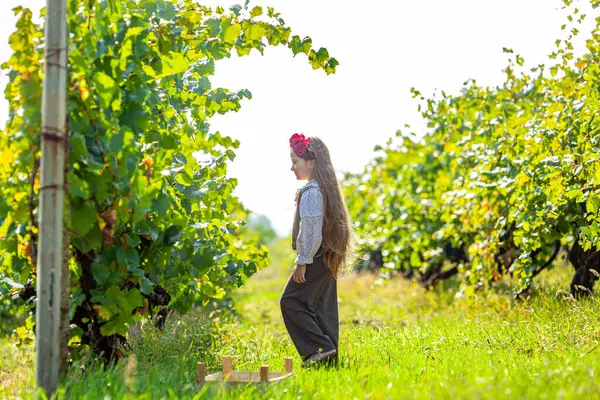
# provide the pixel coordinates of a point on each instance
(241, 376)
(229, 376)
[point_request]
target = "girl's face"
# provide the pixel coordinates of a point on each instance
(301, 167)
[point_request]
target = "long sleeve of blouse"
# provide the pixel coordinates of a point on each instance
(310, 234)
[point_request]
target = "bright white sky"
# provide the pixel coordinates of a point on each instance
(384, 47)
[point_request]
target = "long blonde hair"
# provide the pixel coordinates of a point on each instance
(337, 228)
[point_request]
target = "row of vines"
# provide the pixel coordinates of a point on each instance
(153, 222)
(507, 178)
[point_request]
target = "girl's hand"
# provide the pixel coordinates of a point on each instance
(298, 273)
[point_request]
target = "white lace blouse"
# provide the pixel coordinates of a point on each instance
(310, 234)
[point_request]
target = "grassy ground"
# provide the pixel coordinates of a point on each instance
(396, 341)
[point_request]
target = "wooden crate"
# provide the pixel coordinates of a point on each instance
(228, 375)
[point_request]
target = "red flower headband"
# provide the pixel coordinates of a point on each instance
(299, 144)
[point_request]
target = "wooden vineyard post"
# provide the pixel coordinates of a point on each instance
(50, 250)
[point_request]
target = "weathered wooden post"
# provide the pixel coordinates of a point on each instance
(53, 140)
(288, 365)
(201, 373)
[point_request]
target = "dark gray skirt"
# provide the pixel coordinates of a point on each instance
(310, 310)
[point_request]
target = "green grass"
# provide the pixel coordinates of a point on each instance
(396, 341)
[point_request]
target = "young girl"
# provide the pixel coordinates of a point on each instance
(322, 237)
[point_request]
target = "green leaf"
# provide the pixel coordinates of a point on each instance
(136, 271)
(115, 293)
(108, 329)
(133, 240)
(214, 26)
(166, 10)
(100, 273)
(415, 262)
(571, 194)
(116, 142)
(231, 33)
(126, 51)
(180, 159)
(194, 194)
(250, 268)
(146, 286)
(149, 70)
(202, 262)
(256, 11)
(175, 64)
(256, 32)
(104, 186)
(133, 300)
(593, 204)
(172, 235)
(184, 179)
(83, 218)
(154, 231)
(106, 87)
(236, 8)
(77, 142)
(169, 143)
(161, 204)
(133, 258)
(121, 257)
